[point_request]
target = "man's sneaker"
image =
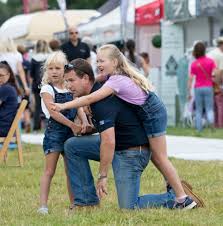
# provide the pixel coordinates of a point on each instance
(186, 205)
(188, 190)
(43, 210)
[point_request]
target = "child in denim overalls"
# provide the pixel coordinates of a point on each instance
(60, 126)
(128, 84)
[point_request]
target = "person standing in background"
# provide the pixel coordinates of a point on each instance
(54, 44)
(9, 53)
(217, 55)
(93, 59)
(26, 67)
(75, 48)
(202, 70)
(131, 55)
(145, 62)
(8, 98)
(38, 58)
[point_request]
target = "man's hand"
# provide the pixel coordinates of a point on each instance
(56, 107)
(102, 188)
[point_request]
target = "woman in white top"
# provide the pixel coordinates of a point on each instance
(9, 53)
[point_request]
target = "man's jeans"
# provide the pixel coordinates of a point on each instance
(128, 166)
(204, 101)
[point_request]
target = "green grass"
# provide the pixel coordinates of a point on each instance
(19, 196)
(207, 133)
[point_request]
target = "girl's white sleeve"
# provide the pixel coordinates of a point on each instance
(47, 89)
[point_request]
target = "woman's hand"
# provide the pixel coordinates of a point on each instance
(86, 127)
(56, 107)
(76, 129)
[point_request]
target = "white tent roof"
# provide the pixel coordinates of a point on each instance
(43, 24)
(16, 26)
(110, 19)
(106, 28)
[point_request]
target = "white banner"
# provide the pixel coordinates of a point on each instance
(62, 4)
(172, 52)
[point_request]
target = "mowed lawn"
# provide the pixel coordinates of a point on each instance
(19, 196)
(216, 133)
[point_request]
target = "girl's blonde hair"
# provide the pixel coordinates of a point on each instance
(57, 57)
(124, 67)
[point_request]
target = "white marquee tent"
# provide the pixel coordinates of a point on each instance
(107, 28)
(42, 25)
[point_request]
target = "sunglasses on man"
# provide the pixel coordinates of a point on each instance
(72, 33)
(70, 67)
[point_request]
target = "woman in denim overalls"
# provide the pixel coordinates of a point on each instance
(60, 126)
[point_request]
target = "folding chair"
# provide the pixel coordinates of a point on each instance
(14, 129)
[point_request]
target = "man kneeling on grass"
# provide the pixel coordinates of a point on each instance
(122, 142)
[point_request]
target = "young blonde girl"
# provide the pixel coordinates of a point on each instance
(60, 126)
(128, 84)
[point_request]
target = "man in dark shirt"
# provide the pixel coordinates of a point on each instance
(122, 142)
(74, 48)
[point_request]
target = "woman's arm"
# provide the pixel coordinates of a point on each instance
(84, 100)
(23, 77)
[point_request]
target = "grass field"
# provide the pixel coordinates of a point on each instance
(19, 193)
(208, 133)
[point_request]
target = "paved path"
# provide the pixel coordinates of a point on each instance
(191, 148)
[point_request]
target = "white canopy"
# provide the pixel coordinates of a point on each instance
(107, 28)
(42, 25)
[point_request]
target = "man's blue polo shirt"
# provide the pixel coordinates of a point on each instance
(114, 112)
(73, 52)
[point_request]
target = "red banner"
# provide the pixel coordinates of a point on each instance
(150, 13)
(34, 5)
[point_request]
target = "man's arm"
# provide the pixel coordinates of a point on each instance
(107, 148)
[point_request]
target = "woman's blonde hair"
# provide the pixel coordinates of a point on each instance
(42, 47)
(124, 67)
(55, 58)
